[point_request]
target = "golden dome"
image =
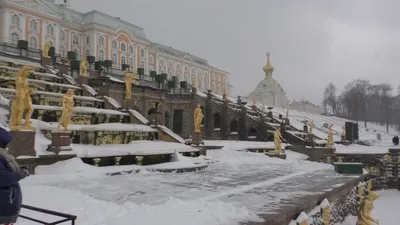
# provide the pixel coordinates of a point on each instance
(268, 68)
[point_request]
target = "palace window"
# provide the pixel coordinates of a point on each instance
(141, 52)
(14, 38)
(87, 52)
(33, 25)
(50, 29)
(123, 47)
(114, 59)
(75, 40)
(33, 42)
(88, 40)
(101, 55)
(131, 63)
(123, 61)
(131, 49)
(15, 20)
(62, 35)
(101, 40)
(114, 44)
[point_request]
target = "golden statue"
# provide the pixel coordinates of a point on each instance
(326, 215)
(198, 118)
(360, 192)
(45, 50)
(130, 78)
(225, 95)
(68, 107)
(330, 137)
(194, 85)
(83, 67)
(364, 216)
(277, 141)
(22, 100)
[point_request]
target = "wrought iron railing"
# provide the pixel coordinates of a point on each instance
(65, 217)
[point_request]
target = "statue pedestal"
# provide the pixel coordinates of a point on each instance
(83, 79)
(156, 118)
(60, 141)
(63, 68)
(46, 61)
(23, 143)
(276, 154)
(197, 139)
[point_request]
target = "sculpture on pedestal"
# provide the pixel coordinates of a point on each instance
(22, 101)
(330, 137)
(68, 107)
(278, 141)
(198, 118)
(45, 50)
(83, 67)
(130, 78)
(194, 85)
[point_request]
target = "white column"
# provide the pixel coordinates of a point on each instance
(44, 34)
(157, 63)
(146, 62)
(109, 48)
(137, 54)
(6, 24)
(69, 47)
(22, 25)
(94, 45)
(57, 36)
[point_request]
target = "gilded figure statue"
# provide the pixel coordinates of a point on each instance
(326, 215)
(68, 107)
(45, 50)
(22, 100)
(83, 67)
(225, 96)
(364, 216)
(330, 137)
(278, 141)
(130, 78)
(198, 118)
(194, 85)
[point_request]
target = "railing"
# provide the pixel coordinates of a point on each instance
(66, 217)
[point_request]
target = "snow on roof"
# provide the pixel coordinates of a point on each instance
(138, 116)
(82, 109)
(43, 82)
(115, 79)
(133, 148)
(99, 127)
(70, 79)
(55, 94)
(201, 94)
(54, 71)
(20, 62)
(113, 102)
(172, 134)
(89, 89)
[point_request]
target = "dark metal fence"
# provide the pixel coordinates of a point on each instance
(65, 217)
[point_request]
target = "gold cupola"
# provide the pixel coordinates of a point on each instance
(268, 69)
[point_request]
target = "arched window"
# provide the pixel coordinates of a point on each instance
(15, 20)
(114, 59)
(171, 69)
(101, 40)
(131, 49)
(50, 29)
(217, 120)
(101, 55)
(141, 52)
(88, 40)
(123, 61)
(62, 35)
(33, 42)
(131, 63)
(123, 47)
(87, 52)
(75, 40)
(33, 25)
(114, 44)
(141, 64)
(14, 38)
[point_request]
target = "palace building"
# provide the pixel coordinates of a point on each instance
(104, 37)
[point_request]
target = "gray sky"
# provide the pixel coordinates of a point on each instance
(312, 42)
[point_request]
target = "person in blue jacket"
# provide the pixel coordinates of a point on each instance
(10, 175)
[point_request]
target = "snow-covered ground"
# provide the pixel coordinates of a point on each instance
(227, 192)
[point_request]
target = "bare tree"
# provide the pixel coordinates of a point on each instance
(330, 101)
(354, 98)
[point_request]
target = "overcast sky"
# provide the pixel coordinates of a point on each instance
(312, 42)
